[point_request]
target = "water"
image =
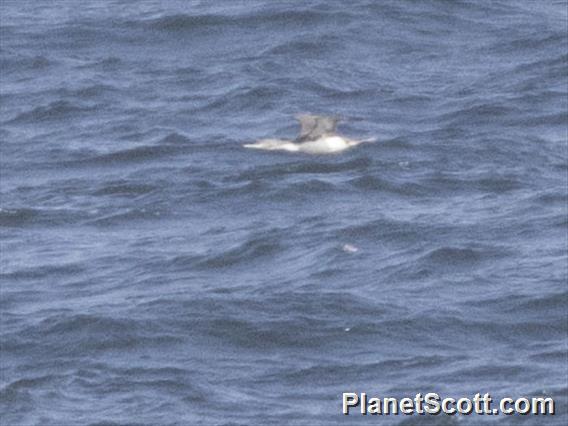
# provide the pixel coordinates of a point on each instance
(156, 272)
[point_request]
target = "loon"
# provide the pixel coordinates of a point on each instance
(317, 136)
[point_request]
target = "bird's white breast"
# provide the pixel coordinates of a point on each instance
(325, 145)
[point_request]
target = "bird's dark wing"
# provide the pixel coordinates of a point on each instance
(315, 126)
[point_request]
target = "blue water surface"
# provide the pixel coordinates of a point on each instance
(155, 272)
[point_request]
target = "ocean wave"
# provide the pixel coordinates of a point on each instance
(209, 22)
(374, 183)
(311, 48)
(167, 379)
(398, 143)
(551, 198)
(19, 392)
(20, 217)
(109, 63)
(19, 63)
(138, 154)
(534, 307)
(244, 97)
(552, 356)
(555, 119)
(93, 91)
(56, 110)
(173, 143)
(76, 34)
(537, 41)
(337, 374)
(556, 63)
(208, 191)
(38, 272)
(128, 216)
(69, 334)
(275, 171)
(301, 190)
(387, 230)
(124, 189)
(493, 184)
(255, 249)
(457, 257)
(10, 390)
(478, 114)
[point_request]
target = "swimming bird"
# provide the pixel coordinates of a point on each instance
(317, 136)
